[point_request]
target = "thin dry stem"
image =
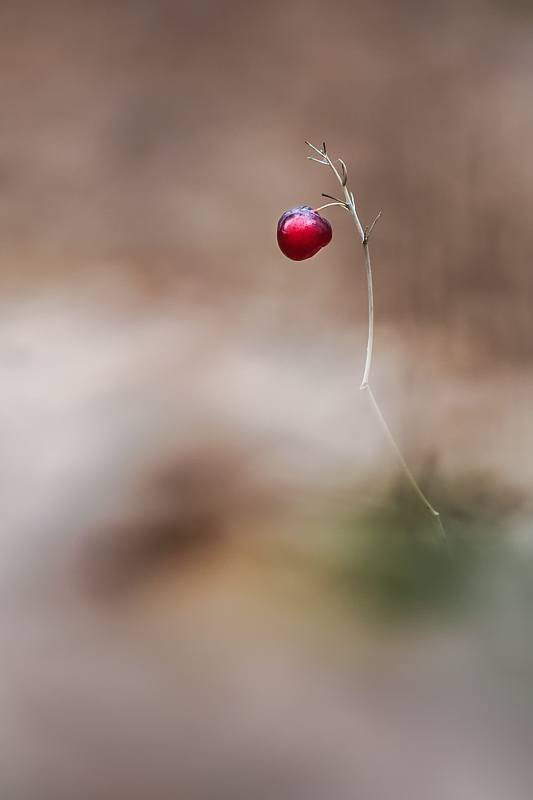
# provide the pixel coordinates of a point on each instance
(349, 204)
(331, 204)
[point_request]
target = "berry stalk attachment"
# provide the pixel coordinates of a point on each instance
(302, 236)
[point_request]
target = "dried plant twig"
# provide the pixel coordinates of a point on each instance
(349, 204)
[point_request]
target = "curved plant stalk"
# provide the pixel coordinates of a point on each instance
(349, 205)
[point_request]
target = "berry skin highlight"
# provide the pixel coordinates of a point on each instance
(302, 232)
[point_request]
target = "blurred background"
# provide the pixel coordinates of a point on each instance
(214, 582)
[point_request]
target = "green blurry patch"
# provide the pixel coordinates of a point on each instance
(393, 560)
(384, 557)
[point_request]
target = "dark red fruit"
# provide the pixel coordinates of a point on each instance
(302, 232)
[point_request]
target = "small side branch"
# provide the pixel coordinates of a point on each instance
(349, 204)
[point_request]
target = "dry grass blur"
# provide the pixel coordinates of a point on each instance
(213, 584)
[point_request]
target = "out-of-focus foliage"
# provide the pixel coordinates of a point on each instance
(386, 560)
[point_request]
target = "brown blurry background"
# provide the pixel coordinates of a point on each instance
(214, 583)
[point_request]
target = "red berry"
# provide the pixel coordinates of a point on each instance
(302, 232)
